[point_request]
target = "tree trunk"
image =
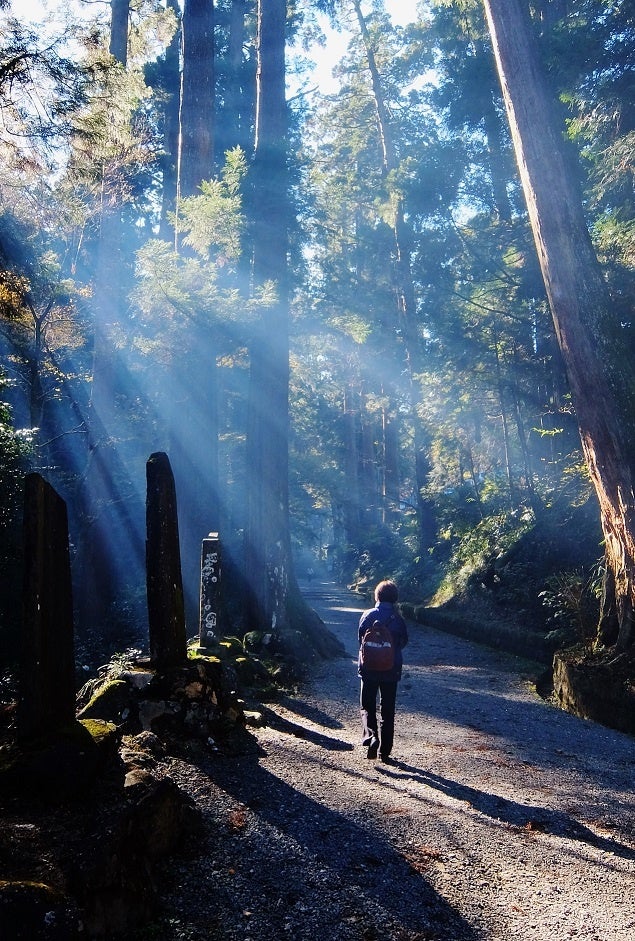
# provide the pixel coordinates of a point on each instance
(171, 109)
(350, 498)
(110, 551)
(600, 379)
(120, 11)
(390, 425)
(368, 483)
(237, 115)
(498, 164)
(194, 443)
(196, 157)
(406, 298)
(268, 544)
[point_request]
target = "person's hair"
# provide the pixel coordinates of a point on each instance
(387, 591)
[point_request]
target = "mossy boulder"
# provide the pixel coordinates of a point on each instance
(110, 701)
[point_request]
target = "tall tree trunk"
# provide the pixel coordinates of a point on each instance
(171, 110)
(196, 156)
(498, 162)
(406, 298)
(505, 426)
(238, 112)
(368, 484)
(600, 379)
(268, 544)
(110, 551)
(351, 497)
(194, 442)
(390, 426)
(120, 11)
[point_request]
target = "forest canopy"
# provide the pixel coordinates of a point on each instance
(332, 309)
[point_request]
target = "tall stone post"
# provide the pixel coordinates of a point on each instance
(166, 610)
(210, 590)
(46, 700)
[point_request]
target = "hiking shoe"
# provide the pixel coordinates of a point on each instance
(372, 748)
(387, 760)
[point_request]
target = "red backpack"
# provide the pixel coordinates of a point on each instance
(377, 651)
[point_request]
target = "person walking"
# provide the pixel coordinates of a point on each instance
(378, 737)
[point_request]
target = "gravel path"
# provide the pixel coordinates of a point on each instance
(501, 817)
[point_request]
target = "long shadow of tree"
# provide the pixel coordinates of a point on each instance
(300, 858)
(521, 816)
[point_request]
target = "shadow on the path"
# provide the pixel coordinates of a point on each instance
(526, 817)
(280, 724)
(371, 888)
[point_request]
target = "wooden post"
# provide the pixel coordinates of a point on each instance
(166, 611)
(47, 678)
(210, 590)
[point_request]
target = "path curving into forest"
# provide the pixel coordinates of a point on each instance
(502, 817)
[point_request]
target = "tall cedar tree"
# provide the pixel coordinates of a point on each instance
(601, 380)
(194, 443)
(106, 497)
(267, 549)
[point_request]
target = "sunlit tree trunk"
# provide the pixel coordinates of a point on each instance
(110, 546)
(193, 412)
(406, 298)
(267, 549)
(601, 379)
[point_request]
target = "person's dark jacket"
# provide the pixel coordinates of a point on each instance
(384, 611)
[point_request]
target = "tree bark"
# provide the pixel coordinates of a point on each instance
(120, 11)
(405, 292)
(194, 443)
(110, 550)
(351, 498)
(390, 426)
(600, 379)
(238, 112)
(171, 110)
(368, 477)
(196, 157)
(268, 544)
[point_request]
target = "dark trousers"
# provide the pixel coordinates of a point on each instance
(385, 731)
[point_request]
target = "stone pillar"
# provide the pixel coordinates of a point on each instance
(46, 700)
(166, 611)
(210, 590)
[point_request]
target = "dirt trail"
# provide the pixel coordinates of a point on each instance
(501, 817)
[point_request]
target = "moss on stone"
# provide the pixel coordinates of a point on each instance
(110, 699)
